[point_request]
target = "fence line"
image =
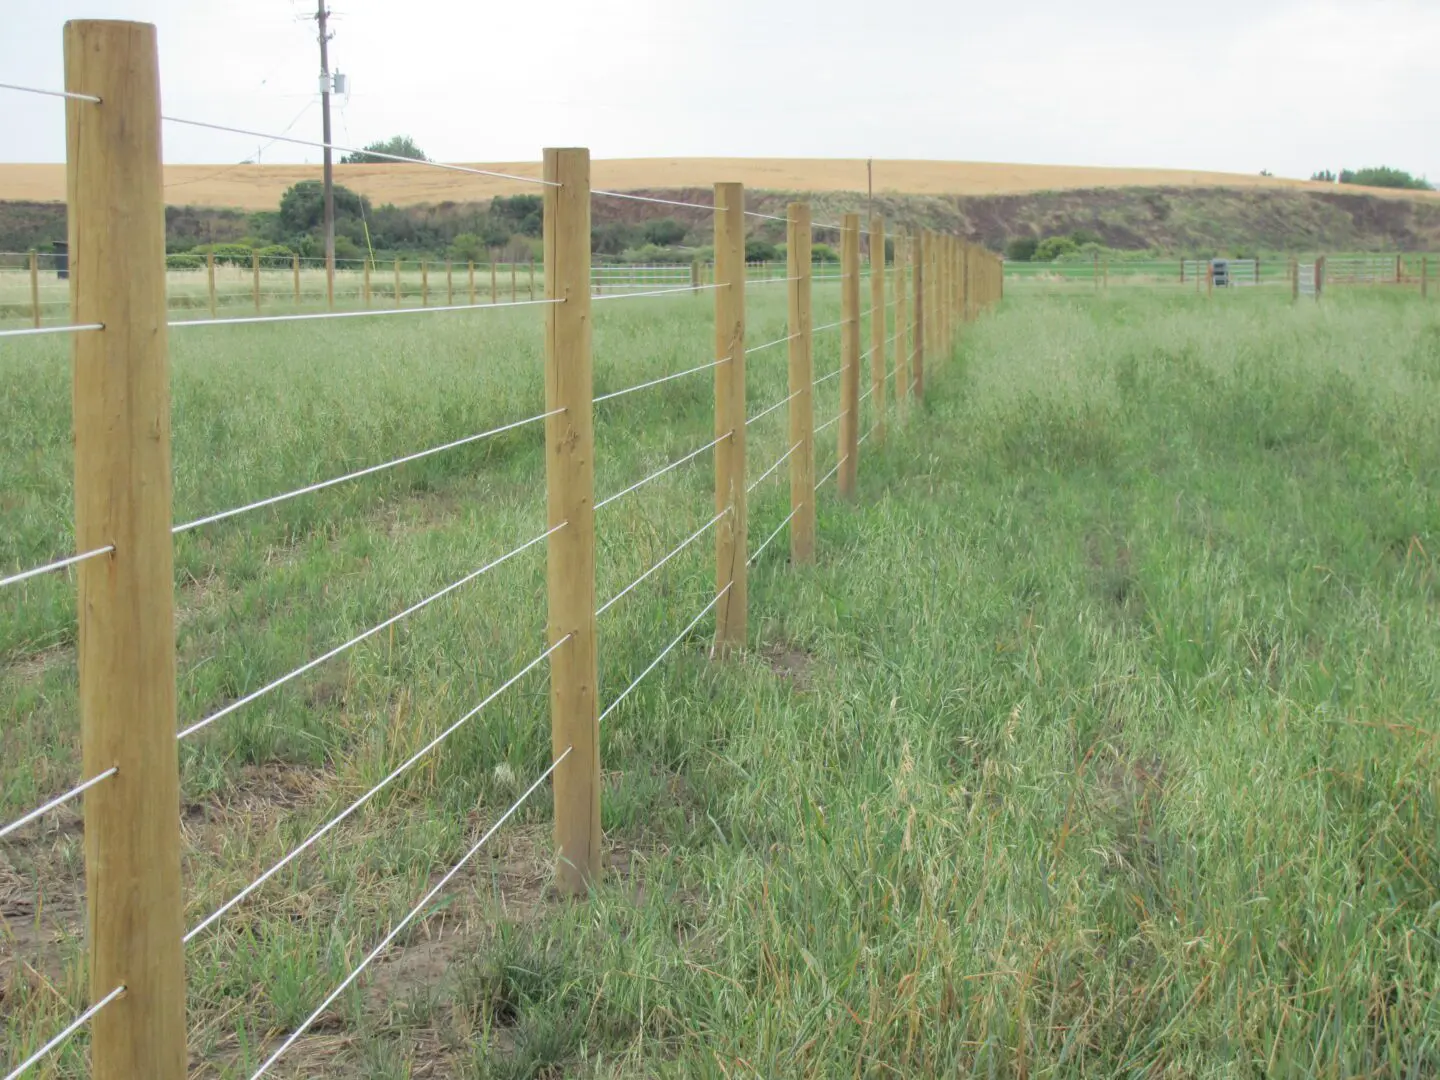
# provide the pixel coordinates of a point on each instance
(123, 509)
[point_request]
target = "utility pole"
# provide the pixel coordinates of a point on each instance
(325, 86)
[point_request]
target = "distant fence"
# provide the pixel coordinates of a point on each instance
(125, 531)
(32, 289)
(1407, 270)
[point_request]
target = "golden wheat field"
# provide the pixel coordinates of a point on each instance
(258, 187)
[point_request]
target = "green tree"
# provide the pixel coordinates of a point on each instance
(523, 214)
(302, 207)
(1384, 176)
(397, 145)
(1021, 249)
(1054, 247)
(467, 247)
(665, 232)
(759, 251)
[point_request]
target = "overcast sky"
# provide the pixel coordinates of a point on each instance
(1285, 85)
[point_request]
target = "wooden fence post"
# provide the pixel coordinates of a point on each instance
(1209, 278)
(1095, 269)
(848, 448)
(695, 275)
(1397, 269)
(1424, 276)
(295, 267)
(1294, 279)
(255, 271)
(470, 277)
(449, 283)
(424, 283)
(210, 279)
(494, 289)
(570, 498)
(802, 404)
(514, 293)
(731, 547)
(1319, 275)
(365, 267)
(902, 328)
(917, 322)
(35, 286)
(126, 650)
(877, 326)
(532, 277)
(397, 283)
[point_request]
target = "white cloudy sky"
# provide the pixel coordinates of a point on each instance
(1241, 85)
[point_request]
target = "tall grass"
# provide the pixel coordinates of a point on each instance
(1100, 740)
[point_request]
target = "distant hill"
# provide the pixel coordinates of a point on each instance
(1127, 208)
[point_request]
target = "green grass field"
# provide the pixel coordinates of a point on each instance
(1101, 740)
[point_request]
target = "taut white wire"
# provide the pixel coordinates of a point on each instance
(657, 382)
(59, 800)
(373, 313)
(74, 1026)
(663, 653)
(35, 331)
(832, 421)
(416, 910)
(649, 199)
(827, 326)
(683, 545)
(866, 435)
(833, 471)
(352, 150)
(771, 344)
(772, 281)
(309, 488)
(766, 474)
(654, 292)
(767, 217)
(827, 378)
(363, 799)
(774, 534)
(866, 394)
(71, 560)
(311, 664)
(772, 408)
(661, 472)
(49, 93)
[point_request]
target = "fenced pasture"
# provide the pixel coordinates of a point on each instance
(1411, 270)
(1089, 727)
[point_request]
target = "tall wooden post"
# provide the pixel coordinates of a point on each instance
(695, 275)
(424, 283)
(877, 326)
(1095, 269)
(35, 287)
(494, 289)
(295, 269)
(1319, 275)
(1397, 269)
(449, 283)
(1294, 279)
(917, 324)
(848, 448)
(470, 277)
(1424, 276)
(532, 277)
(731, 549)
(570, 498)
(126, 652)
(514, 293)
(398, 293)
(365, 267)
(255, 272)
(802, 403)
(902, 328)
(210, 279)
(1209, 278)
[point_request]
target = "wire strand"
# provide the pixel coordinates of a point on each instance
(833, 471)
(51, 93)
(772, 408)
(774, 534)
(338, 649)
(656, 292)
(59, 800)
(827, 378)
(766, 474)
(36, 331)
(651, 199)
(831, 422)
(409, 918)
(59, 564)
(771, 344)
(314, 837)
(375, 313)
(661, 472)
(309, 488)
(683, 545)
(657, 382)
(827, 326)
(70, 1029)
(772, 281)
(663, 653)
(351, 150)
